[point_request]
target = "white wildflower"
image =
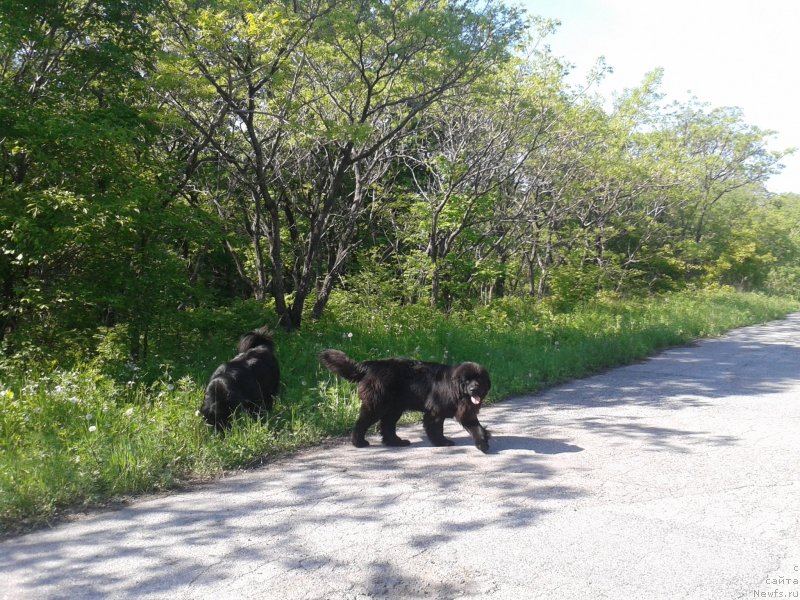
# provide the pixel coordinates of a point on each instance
(129, 412)
(92, 428)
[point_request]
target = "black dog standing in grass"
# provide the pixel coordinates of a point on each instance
(249, 381)
(387, 388)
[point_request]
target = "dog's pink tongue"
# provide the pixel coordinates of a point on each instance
(475, 399)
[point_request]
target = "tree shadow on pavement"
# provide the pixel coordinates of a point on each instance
(316, 513)
(504, 442)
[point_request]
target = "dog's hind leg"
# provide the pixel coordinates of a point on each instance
(366, 419)
(434, 427)
(389, 428)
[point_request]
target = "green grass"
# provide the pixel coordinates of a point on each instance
(84, 436)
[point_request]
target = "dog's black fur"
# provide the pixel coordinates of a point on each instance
(387, 388)
(248, 382)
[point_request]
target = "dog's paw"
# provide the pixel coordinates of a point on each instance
(360, 443)
(483, 446)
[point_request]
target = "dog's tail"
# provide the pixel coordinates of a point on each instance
(338, 362)
(256, 338)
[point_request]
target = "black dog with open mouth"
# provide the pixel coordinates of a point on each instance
(387, 388)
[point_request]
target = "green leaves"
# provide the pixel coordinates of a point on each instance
(162, 154)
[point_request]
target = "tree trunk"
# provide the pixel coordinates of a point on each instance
(261, 272)
(7, 320)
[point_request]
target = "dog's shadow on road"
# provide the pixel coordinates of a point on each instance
(501, 443)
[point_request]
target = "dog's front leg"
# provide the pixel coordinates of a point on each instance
(478, 432)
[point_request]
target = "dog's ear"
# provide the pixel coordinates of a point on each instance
(462, 378)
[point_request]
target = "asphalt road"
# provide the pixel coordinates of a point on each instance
(673, 478)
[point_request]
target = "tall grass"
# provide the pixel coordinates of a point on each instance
(84, 436)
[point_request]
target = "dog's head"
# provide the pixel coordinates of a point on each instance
(473, 382)
(256, 338)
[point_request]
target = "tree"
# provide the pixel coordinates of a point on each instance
(303, 98)
(78, 183)
(464, 156)
(723, 154)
